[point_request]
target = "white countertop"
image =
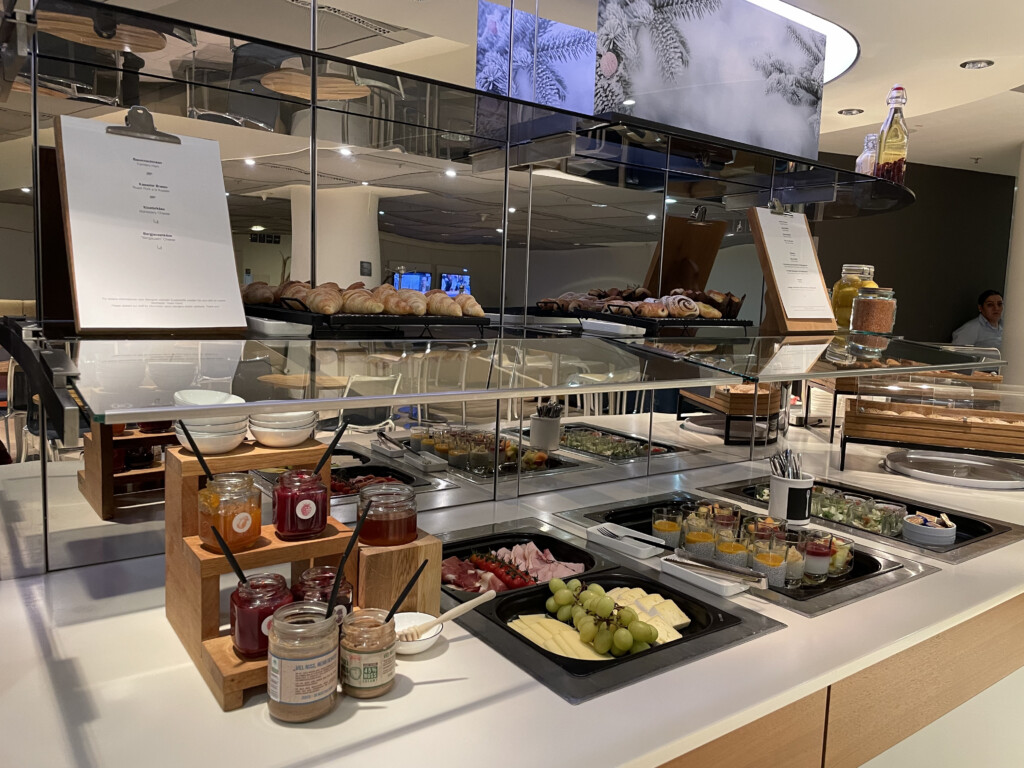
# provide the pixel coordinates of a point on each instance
(95, 676)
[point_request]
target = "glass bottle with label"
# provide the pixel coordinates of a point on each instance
(231, 504)
(892, 140)
(301, 505)
(368, 646)
(854, 277)
(302, 664)
(250, 610)
(866, 160)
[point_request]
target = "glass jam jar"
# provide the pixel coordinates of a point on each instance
(251, 607)
(231, 504)
(392, 517)
(316, 583)
(301, 504)
(302, 673)
(854, 277)
(367, 654)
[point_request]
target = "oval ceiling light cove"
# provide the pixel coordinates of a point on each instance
(977, 64)
(841, 48)
(851, 112)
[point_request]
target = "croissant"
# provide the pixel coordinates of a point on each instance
(360, 301)
(335, 286)
(416, 300)
(470, 306)
(435, 292)
(681, 306)
(258, 293)
(620, 307)
(651, 309)
(707, 311)
(326, 301)
(442, 304)
(395, 304)
(356, 286)
(282, 287)
(296, 291)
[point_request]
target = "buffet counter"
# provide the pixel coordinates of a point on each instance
(95, 676)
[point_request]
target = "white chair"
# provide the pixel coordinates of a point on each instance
(372, 418)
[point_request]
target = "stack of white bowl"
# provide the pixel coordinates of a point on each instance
(282, 430)
(213, 434)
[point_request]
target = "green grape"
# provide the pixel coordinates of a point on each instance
(616, 651)
(597, 589)
(654, 635)
(577, 610)
(604, 607)
(587, 598)
(642, 632)
(638, 647)
(573, 585)
(564, 613)
(627, 616)
(551, 605)
(588, 631)
(622, 639)
(555, 585)
(603, 641)
(564, 597)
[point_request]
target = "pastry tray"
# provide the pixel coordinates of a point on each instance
(650, 324)
(344, 322)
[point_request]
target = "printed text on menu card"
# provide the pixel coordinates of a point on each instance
(150, 236)
(794, 265)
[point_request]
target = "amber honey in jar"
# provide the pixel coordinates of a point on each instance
(302, 663)
(231, 504)
(392, 517)
(368, 646)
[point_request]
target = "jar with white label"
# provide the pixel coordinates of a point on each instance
(301, 503)
(368, 646)
(231, 504)
(251, 609)
(302, 666)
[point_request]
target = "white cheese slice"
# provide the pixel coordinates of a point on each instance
(532, 618)
(672, 614)
(665, 633)
(646, 604)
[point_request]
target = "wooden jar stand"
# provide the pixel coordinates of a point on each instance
(193, 572)
(98, 482)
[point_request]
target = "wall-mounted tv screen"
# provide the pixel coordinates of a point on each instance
(454, 283)
(417, 281)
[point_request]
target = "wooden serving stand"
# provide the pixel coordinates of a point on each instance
(98, 482)
(740, 406)
(193, 572)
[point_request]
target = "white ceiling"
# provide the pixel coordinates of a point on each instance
(954, 114)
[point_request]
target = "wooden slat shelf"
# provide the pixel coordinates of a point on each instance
(134, 437)
(98, 482)
(231, 675)
(138, 474)
(270, 550)
(250, 456)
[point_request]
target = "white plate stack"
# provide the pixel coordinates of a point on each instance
(282, 430)
(213, 434)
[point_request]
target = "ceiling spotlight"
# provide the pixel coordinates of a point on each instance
(651, 217)
(257, 228)
(381, 212)
(850, 112)
(499, 231)
(26, 190)
(629, 102)
(250, 161)
(511, 210)
(345, 151)
(977, 64)
(227, 194)
(598, 205)
(670, 200)
(365, 183)
(451, 173)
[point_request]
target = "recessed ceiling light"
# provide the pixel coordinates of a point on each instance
(499, 231)
(365, 183)
(257, 228)
(598, 205)
(841, 48)
(670, 200)
(381, 212)
(977, 64)
(345, 151)
(651, 217)
(451, 173)
(511, 210)
(629, 102)
(26, 190)
(851, 111)
(227, 194)
(250, 161)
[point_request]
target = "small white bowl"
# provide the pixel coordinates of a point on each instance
(209, 427)
(171, 374)
(410, 619)
(186, 397)
(289, 418)
(306, 422)
(280, 438)
(210, 444)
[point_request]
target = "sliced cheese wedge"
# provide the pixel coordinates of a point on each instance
(666, 634)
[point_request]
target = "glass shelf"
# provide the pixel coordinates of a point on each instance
(132, 380)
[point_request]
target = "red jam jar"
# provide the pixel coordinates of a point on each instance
(392, 517)
(153, 427)
(316, 584)
(252, 606)
(301, 503)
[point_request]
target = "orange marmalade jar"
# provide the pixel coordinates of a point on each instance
(231, 504)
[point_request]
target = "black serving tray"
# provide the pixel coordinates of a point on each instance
(651, 325)
(347, 473)
(669, 449)
(638, 517)
(327, 325)
(865, 566)
(559, 547)
(576, 680)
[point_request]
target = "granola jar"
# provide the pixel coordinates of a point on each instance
(368, 647)
(874, 311)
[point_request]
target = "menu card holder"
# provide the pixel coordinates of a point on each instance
(147, 230)
(796, 298)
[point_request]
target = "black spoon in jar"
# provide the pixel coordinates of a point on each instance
(330, 447)
(229, 555)
(195, 450)
(340, 575)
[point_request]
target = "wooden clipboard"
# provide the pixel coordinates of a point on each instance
(776, 321)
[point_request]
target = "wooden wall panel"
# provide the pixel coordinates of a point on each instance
(887, 702)
(792, 736)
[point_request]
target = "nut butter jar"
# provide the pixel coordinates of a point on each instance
(302, 669)
(368, 647)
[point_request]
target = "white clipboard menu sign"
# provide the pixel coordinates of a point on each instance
(149, 238)
(796, 272)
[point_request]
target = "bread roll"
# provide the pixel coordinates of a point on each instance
(444, 305)
(326, 301)
(360, 301)
(707, 311)
(651, 309)
(258, 293)
(416, 300)
(681, 306)
(470, 306)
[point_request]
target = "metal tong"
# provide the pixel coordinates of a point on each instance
(720, 570)
(383, 436)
